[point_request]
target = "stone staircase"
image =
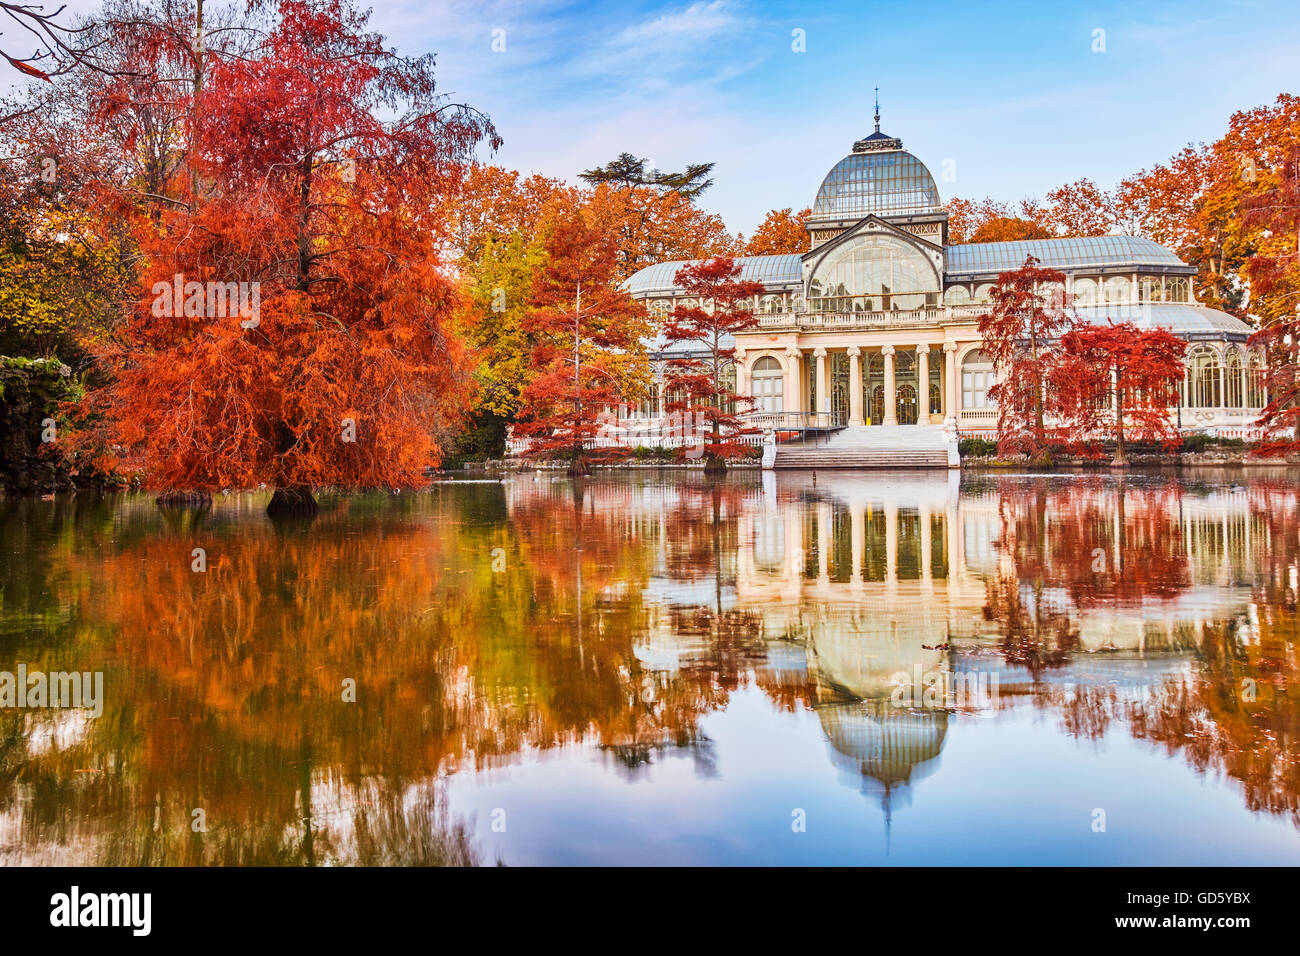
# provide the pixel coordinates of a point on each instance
(873, 446)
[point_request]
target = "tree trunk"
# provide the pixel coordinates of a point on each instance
(1121, 459)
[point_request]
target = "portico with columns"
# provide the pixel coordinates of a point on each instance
(915, 381)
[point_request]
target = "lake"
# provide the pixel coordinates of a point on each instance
(649, 668)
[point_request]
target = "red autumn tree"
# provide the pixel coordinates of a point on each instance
(322, 157)
(701, 393)
(1274, 272)
(1118, 381)
(1027, 317)
(588, 356)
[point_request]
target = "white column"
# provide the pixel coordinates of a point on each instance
(855, 385)
(742, 374)
(891, 399)
(923, 385)
(823, 396)
(792, 378)
(950, 381)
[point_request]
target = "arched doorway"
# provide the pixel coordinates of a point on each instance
(767, 384)
(907, 406)
(876, 407)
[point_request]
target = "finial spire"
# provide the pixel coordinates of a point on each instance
(877, 109)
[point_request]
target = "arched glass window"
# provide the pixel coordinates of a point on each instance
(1176, 289)
(1203, 378)
(1117, 289)
(1085, 291)
(1149, 289)
(659, 308)
(976, 379)
(983, 293)
(873, 274)
(1233, 383)
(1255, 397)
(956, 295)
(687, 303)
(936, 382)
(767, 385)
(772, 304)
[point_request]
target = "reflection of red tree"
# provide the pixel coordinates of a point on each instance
(1114, 545)
(1239, 713)
(1034, 632)
(233, 702)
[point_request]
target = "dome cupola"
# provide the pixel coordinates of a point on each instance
(878, 177)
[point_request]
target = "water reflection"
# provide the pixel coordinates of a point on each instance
(391, 682)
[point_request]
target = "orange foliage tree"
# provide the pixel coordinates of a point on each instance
(782, 232)
(317, 215)
(1120, 381)
(1274, 272)
(492, 204)
(987, 220)
(653, 226)
(1010, 229)
(696, 382)
(586, 329)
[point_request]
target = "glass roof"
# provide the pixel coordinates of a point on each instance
(1186, 321)
(772, 271)
(1077, 253)
(887, 183)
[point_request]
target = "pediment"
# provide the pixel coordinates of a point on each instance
(871, 224)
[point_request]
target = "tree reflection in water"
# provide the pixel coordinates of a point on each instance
(485, 623)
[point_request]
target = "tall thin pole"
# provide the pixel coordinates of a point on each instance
(577, 373)
(197, 50)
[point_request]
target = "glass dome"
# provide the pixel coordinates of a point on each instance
(889, 182)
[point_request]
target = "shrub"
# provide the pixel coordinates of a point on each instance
(31, 391)
(977, 448)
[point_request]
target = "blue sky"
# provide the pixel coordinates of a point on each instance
(1012, 95)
